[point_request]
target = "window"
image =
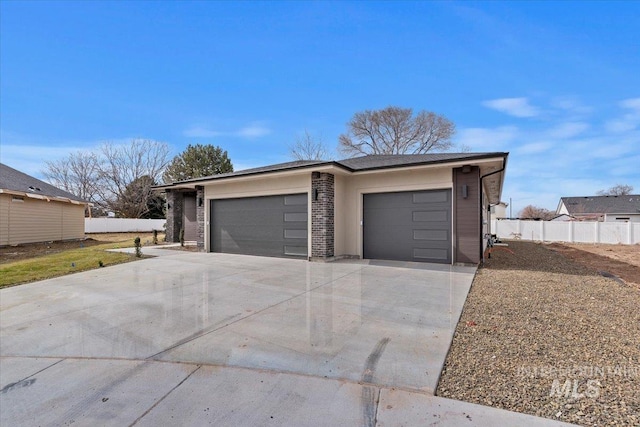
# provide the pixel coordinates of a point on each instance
(17, 199)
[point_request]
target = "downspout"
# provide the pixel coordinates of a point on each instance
(504, 166)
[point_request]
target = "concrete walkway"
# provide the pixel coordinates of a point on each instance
(214, 339)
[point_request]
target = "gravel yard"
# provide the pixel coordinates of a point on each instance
(545, 335)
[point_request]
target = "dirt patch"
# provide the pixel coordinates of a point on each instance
(32, 250)
(622, 261)
(545, 335)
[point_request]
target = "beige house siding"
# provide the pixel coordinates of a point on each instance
(27, 220)
(5, 199)
(259, 185)
(380, 181)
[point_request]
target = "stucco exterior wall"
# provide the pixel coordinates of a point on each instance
(339, 218)
(351, 189)
(259, 185)
(27, 220)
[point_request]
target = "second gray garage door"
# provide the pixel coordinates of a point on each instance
(408, 226)
(267, 226)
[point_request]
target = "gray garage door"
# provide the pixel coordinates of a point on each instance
(408, 226)
(268, 226)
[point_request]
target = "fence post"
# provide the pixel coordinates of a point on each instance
(519, 227)
(597, 236)
(570, 231)
(630, 233)
(542, 231)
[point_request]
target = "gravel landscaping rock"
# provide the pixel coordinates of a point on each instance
(544, 335)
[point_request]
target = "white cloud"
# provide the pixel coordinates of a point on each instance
(29, 154)
(566, 154)
(517, 107)
(571, 106)
(630, 120)
(568, 130)
(487, 139)
(252, 130)
(632, 103)
(535, 147)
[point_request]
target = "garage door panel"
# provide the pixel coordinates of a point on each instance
(439, 235)
(431, 216)
(269, 226)
(431, 254)
(408, 226)
(296, 200)
(295, 234)
(295, 217)
(430, 197)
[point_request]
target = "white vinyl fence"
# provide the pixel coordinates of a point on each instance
(122, 225)
(626, 233)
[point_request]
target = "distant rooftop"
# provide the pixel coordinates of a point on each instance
(602, 204)
(14, 180)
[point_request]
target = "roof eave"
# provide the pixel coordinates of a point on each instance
(44, 197)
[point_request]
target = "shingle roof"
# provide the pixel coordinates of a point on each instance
(14, 180)
(369, 162)
(602, 204)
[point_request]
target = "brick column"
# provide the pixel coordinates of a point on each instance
(200, 201)
(174, 215)
(322, 215)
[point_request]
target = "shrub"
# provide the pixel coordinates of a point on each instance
(138, 246)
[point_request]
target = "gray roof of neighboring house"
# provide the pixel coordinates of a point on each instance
(370, 162)
(602, 204)
(14, 180)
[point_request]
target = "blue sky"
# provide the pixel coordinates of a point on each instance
(555, 84)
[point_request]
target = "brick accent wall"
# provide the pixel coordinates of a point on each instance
(322, 215)
(200, 215)
(174, 215)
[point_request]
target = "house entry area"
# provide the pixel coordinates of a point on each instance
(265, 226)
(408, 226)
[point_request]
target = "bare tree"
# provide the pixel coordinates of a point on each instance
(616, 190)
(122, 172)
(76, 173)
(395, 130)
(535, 212)
(309, 147)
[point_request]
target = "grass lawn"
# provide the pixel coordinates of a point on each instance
(67, 261)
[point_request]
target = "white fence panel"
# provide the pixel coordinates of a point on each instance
(613, 232)
(584, 232)
(122, 225)
(568, 231)
(531, 230)
(556, 231)
(506, 229)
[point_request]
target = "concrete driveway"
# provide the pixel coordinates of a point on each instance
(198, 339)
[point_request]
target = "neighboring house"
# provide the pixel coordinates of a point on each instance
(562, 217)
(601, 208)
(431, 208)
(499, 211)
(34, 211)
